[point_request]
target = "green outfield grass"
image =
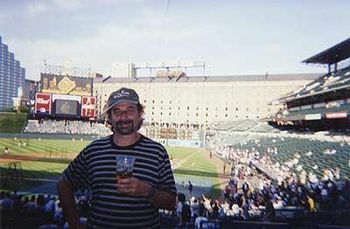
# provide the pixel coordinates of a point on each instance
(191, 165)
(42, 147)
(50, 158)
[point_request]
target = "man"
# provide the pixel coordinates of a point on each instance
(190, 187)
(6, 150)
(131, 202)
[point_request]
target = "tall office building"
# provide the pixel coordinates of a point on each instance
(12, 77)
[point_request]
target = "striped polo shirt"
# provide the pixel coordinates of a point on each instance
(95, 169)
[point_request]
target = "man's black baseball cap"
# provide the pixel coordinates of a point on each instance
(122, 95)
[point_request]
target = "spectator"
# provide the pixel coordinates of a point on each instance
(194, 208)
(216, 207)
(6, 202)
(245, 210)
(49, 223)
(310, 203)
(198, 222)
(181, 198)
(150, 187)
(50, 205)
(227, 192)
(185, 215)
(31, 206)
(58, 215)
(269, 210)
(190, 187)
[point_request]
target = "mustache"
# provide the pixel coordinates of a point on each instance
(124, 122)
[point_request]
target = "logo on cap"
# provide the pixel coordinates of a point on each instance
(122, 95)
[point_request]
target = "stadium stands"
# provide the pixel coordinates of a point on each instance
(315, 153)
(320, 110)
(227, 125)
(66, 127)
(328, 82)
(263, 127)
(288, 170)
(243, 125)
(278, 153)
(322, 104)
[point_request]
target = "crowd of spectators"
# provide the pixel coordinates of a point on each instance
(276, 194)
(250, 195)
(254, 194)
(66, 127)
(41, 211)
(307, 191)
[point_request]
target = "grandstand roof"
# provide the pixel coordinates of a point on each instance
(228, 78)
(332, 55)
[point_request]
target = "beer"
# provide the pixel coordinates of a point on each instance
(124, 174)
(124, 167)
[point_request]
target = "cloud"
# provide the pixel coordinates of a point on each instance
(231, 38)
(38, 7)
(46, 6)
(68, 5)
(109, 43)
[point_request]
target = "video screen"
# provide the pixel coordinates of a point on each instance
(66, 107)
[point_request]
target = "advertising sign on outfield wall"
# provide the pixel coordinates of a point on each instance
(313, 117)
(335, 115)
(88, 107)
(42, 103)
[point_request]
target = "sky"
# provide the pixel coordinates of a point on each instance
(231, 37)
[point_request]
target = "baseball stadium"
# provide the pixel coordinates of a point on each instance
(247, 151)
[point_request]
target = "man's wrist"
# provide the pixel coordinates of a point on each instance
(151, 192)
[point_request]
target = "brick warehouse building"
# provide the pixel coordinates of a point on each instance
(199, 101)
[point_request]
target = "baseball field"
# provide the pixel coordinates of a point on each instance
(34, 165)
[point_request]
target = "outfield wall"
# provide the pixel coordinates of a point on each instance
(166, 142)
(50, 136)
(11, 122)
(180, 143)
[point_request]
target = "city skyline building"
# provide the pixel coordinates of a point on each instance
(12, 77)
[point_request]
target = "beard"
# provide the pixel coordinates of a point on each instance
(124, 127)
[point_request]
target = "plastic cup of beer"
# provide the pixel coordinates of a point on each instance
(125, 166)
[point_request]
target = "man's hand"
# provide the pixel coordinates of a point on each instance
(133, 187)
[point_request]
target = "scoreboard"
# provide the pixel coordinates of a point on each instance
(65, 106)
